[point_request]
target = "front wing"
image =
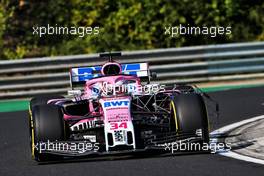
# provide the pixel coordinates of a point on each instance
(81, 148)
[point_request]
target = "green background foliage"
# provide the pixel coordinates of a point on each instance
(124, 24)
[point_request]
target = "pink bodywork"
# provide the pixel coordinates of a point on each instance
(111, 80)
(114, 110)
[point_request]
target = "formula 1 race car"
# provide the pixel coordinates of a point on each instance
(113, 109)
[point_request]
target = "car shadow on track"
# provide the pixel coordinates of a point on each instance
(121, 157)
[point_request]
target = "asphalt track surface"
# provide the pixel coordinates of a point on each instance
(235, 105)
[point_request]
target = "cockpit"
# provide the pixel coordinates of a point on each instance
(112, 85)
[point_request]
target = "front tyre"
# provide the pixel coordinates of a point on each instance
(189, 115)
(47, 124)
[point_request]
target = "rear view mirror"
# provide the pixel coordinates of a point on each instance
(153, 75)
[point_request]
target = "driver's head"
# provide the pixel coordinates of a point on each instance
(111, 68)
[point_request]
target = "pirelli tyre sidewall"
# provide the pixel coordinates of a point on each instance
(188, 113)
(47, 124)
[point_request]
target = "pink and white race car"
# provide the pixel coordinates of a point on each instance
(115, 109)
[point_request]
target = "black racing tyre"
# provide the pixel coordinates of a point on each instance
(35, 101)
(42, 99)
(188, 114)
(46, 124)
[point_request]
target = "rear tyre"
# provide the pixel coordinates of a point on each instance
(189, 115)
(47, 124)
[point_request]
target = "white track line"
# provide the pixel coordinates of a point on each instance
(233, 126)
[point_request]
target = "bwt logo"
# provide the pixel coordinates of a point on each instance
(115, 103)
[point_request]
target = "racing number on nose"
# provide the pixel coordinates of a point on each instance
(116, 125)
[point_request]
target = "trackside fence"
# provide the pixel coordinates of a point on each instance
(211, 63)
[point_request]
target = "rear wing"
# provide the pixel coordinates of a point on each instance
(80, 75)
